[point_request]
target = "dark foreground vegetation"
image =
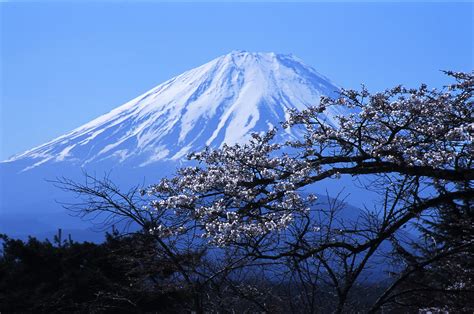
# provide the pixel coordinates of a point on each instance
(237, 231)
(123, 274)
(130, 274)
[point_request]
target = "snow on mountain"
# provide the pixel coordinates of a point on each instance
(222, 101)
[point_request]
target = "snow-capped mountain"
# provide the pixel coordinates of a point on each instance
(222, 101)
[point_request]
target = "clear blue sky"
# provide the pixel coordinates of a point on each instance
(63, 64)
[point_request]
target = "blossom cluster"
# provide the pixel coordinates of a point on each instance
(410, 127)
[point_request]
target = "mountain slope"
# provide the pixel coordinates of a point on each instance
(222, 101)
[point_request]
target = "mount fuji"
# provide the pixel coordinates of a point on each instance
(222, 101)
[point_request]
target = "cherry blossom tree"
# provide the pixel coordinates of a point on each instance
(411, 147)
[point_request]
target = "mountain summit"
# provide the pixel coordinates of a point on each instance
(222, 101)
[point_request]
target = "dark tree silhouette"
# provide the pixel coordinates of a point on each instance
(123, 274)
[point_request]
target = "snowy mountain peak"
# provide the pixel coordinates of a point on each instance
(222, 101)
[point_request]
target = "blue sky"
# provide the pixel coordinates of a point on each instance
(63, 64)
